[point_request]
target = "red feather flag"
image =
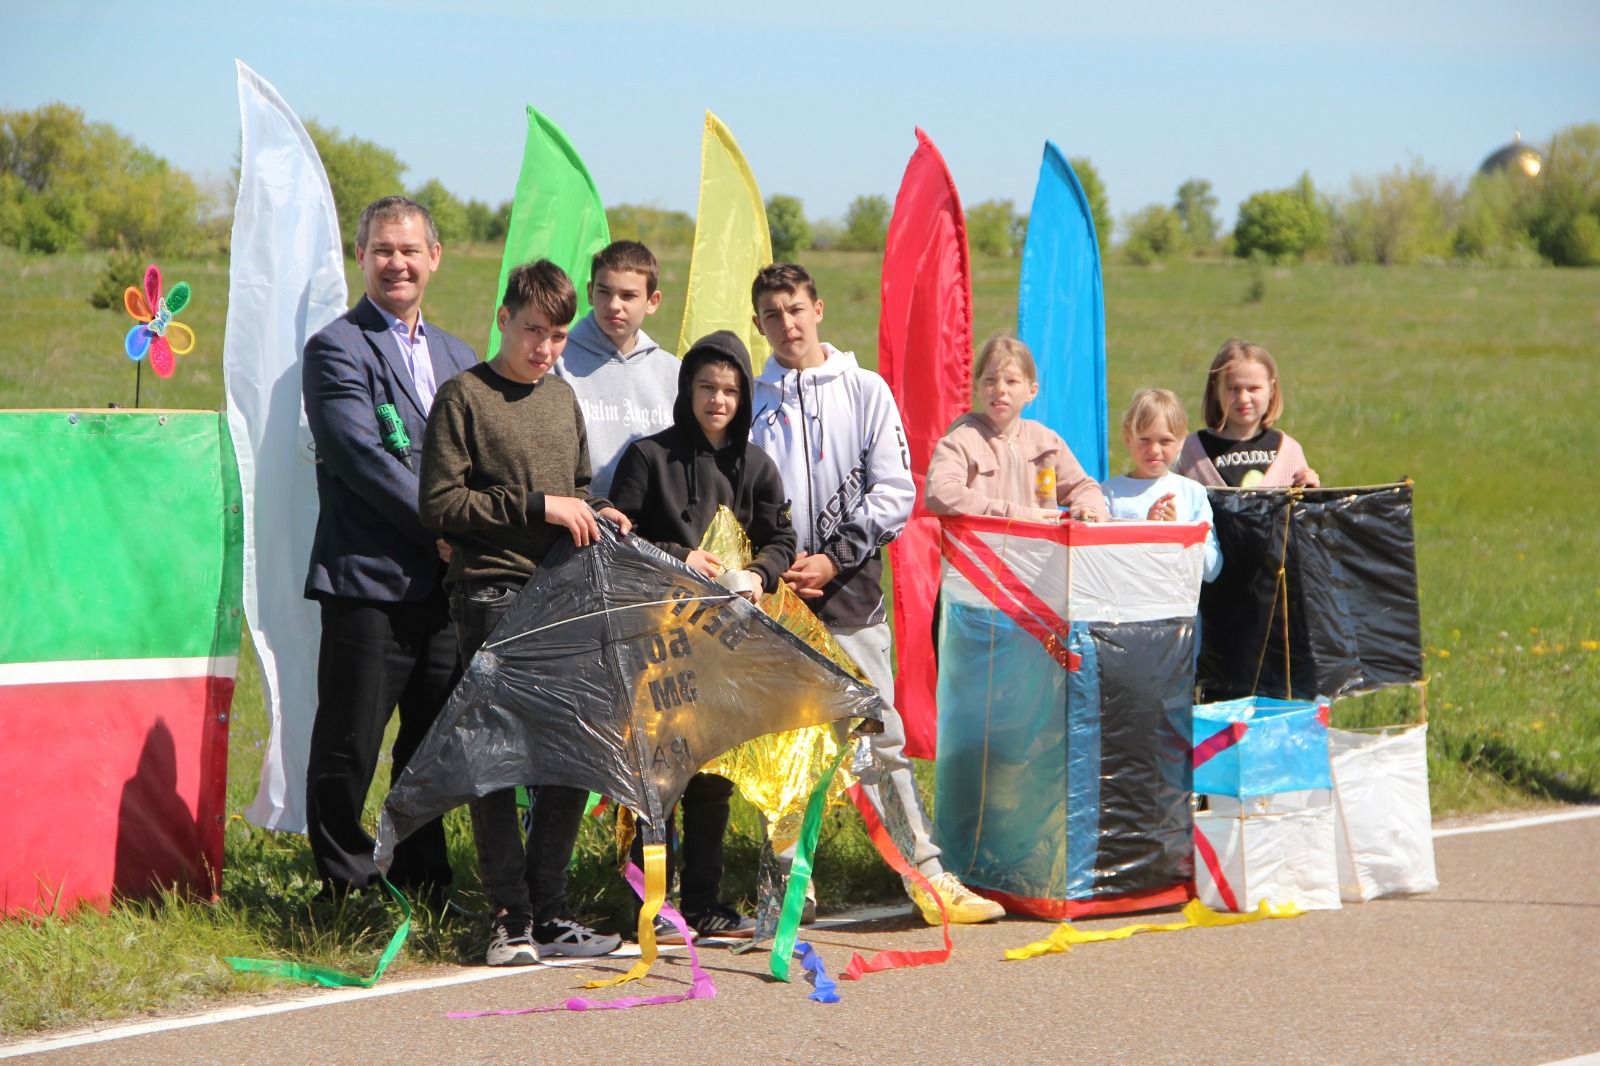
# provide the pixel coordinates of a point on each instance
(925, 354)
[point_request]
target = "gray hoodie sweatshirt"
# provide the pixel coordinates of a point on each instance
(623, 397)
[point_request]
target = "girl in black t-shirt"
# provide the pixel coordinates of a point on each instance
(1239, 447)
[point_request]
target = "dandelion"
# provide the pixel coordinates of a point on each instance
(1589, 645)
(1537, 725)
(1444, 653)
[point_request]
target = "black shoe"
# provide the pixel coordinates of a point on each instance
(667, 933)
(719, 919)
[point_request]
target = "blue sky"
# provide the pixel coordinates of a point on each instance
(823, 97)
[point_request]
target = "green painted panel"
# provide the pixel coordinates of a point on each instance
(120, 536)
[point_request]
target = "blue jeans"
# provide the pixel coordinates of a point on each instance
(528, 880)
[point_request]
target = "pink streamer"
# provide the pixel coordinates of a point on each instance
(700, 985)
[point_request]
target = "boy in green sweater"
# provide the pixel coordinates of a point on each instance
(505, 475)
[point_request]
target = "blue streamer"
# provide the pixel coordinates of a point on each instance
(824, 988)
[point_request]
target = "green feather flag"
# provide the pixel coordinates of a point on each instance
(556, 214)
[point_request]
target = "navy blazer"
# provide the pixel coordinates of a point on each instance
(369, 542)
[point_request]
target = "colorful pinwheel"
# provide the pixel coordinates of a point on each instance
(157, 332)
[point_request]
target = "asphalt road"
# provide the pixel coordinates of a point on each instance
(1501, 965)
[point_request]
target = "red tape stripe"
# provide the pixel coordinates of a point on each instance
(1024, 595)
(991, 591)
(1208, 855)
(1219, 742)
(858, 967)
(1083, 534)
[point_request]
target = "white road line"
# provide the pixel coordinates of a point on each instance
(1518, 823)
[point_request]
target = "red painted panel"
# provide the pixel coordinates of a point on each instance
(111, 787)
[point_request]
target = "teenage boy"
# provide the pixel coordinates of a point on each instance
(368, 380)
(626, 383)
(836, 435)
(505, 475)
(671, 484)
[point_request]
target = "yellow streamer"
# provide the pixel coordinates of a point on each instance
(1195, 913)
(655, 893)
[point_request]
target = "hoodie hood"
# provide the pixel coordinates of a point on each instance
(834, 364)
(722, 346)
(592, 343)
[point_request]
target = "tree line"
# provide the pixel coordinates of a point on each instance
(69, 184)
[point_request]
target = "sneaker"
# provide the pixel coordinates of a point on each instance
(722, 920)
(563, 936)
(511, 942)
(667, 933)
(964, 906)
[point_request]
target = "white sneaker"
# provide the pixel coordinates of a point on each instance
(563, 936)
(510, 942)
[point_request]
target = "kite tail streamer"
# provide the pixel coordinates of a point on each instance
(700, 984)
(769, 896)
(794, 899)
(655, 896)
(823, 987)
(326, 976)
(859, 967)
(1195, 914)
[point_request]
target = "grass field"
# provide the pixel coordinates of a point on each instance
(1476, 382)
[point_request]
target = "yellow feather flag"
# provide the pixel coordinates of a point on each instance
(731, 243)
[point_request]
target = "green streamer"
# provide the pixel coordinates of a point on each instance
(794, 897)
(326, 976)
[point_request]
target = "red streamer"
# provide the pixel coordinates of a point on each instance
(858, 967)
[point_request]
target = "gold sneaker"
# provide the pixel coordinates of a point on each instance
(964, 906)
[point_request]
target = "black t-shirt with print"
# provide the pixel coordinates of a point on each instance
(1241, 463)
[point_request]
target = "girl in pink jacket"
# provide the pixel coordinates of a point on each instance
(992, 461)
(1239, 447)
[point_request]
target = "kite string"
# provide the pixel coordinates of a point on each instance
(1280, 592)
(726, 597)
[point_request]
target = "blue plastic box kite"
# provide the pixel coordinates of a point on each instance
(1257, 746)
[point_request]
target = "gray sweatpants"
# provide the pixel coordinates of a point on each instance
(880, 762)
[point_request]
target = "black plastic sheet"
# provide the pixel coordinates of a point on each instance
(1146, 826)
(620, 671)
(1349, 567)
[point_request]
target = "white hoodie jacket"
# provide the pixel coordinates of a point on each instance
(836, 435)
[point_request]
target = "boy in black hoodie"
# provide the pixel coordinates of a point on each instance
(671, 484)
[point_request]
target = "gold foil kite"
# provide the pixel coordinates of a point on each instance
(777, 772)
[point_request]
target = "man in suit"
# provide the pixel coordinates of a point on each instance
(368, 381)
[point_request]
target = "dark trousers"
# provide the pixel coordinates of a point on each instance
(373, 657)
(705, 823)
(520, 880)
